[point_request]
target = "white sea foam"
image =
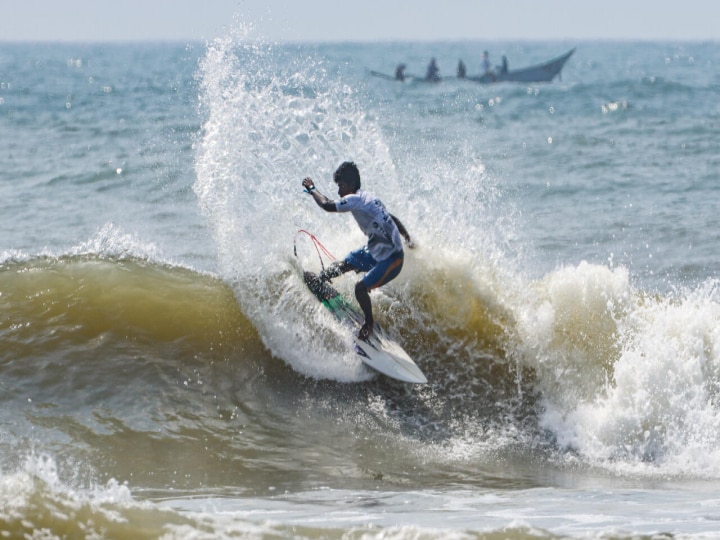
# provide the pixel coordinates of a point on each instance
(629, 380)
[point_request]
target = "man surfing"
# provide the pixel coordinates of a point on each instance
(382, 257)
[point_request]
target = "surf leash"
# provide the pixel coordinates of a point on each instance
(319, 248)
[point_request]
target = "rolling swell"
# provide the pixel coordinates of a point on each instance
(48, 301)
(110, 363)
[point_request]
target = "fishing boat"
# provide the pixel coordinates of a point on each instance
(544, 72)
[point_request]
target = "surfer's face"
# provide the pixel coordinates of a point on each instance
(344, 188)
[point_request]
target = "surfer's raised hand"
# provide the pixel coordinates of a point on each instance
(308, 184)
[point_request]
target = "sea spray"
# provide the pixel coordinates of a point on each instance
(275, 116)
(269, 123)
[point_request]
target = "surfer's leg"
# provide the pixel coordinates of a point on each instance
(359, 260)
(335, 269)
(363, 298)
(379, 275)
(384, 271)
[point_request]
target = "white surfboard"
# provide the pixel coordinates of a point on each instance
(379, 351)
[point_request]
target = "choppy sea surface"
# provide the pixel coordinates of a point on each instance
(164, 372)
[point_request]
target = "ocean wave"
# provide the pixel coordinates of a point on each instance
(85, 296)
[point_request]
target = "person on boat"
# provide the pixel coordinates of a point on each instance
(382, 257)
(504, 65)
(400, 72)
(433, 73)
(486, 68)
(488, 73)
(461, 70)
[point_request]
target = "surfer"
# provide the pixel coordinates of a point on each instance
(382, 257)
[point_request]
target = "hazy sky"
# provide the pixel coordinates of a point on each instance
(360, 20)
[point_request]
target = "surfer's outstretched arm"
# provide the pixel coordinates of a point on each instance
(321, 200)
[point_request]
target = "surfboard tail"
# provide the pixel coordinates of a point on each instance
(321, 289)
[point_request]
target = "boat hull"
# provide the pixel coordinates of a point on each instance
(545, 72)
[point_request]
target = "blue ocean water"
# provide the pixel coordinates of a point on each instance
(165, 373)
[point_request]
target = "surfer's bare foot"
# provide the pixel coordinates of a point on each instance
(366, 330)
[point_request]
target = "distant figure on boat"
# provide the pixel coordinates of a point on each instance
(433, 73)
(504, 66)
(461, 71)
(400, 72)
(486, 64)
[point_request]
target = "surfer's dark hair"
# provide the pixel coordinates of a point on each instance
(348, 171)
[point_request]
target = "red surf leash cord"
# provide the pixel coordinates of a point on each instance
(321, 250)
